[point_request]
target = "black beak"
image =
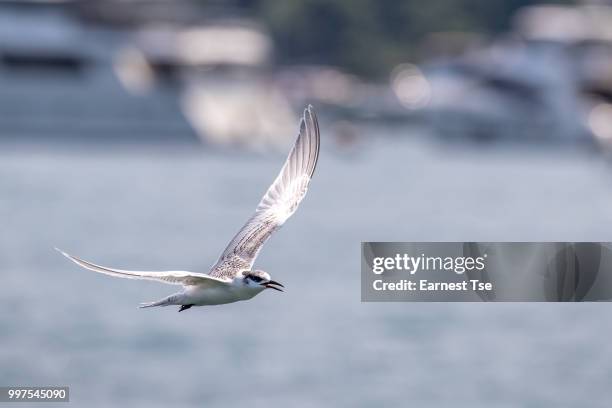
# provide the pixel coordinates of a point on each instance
(269, 285)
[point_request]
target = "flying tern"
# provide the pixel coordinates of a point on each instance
(232, 278)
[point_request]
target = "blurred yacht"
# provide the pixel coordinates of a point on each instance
(137, 76)
(540, 82)
(58, 82)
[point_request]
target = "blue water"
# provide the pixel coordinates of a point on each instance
(316, 344)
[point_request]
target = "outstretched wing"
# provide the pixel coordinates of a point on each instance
(170, 277)
(278, 203)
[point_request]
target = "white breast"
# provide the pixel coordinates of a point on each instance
(201, 296)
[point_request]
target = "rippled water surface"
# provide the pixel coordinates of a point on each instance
(316, 344)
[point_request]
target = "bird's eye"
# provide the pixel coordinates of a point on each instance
(256, 278)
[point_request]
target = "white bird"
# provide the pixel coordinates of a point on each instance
(232, 278)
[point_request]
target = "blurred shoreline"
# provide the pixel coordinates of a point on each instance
(159, 74)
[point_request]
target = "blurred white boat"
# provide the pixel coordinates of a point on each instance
(227, 91)
(513, 90)
(57, 81)
(541, 82)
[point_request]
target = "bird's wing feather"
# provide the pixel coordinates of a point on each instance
(169, 277)
(278, 203)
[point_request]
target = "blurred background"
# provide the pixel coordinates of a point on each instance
(141, 134)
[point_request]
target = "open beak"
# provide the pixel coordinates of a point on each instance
(273, 285)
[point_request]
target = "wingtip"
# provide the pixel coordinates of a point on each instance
(308, 118)
(61, 252)
(309, 111)
(68, 256)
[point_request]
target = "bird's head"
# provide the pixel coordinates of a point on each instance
(260, 279)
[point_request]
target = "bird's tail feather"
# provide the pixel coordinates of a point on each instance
(167, 301)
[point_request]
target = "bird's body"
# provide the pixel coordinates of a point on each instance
(232, 277)
(197, 295)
